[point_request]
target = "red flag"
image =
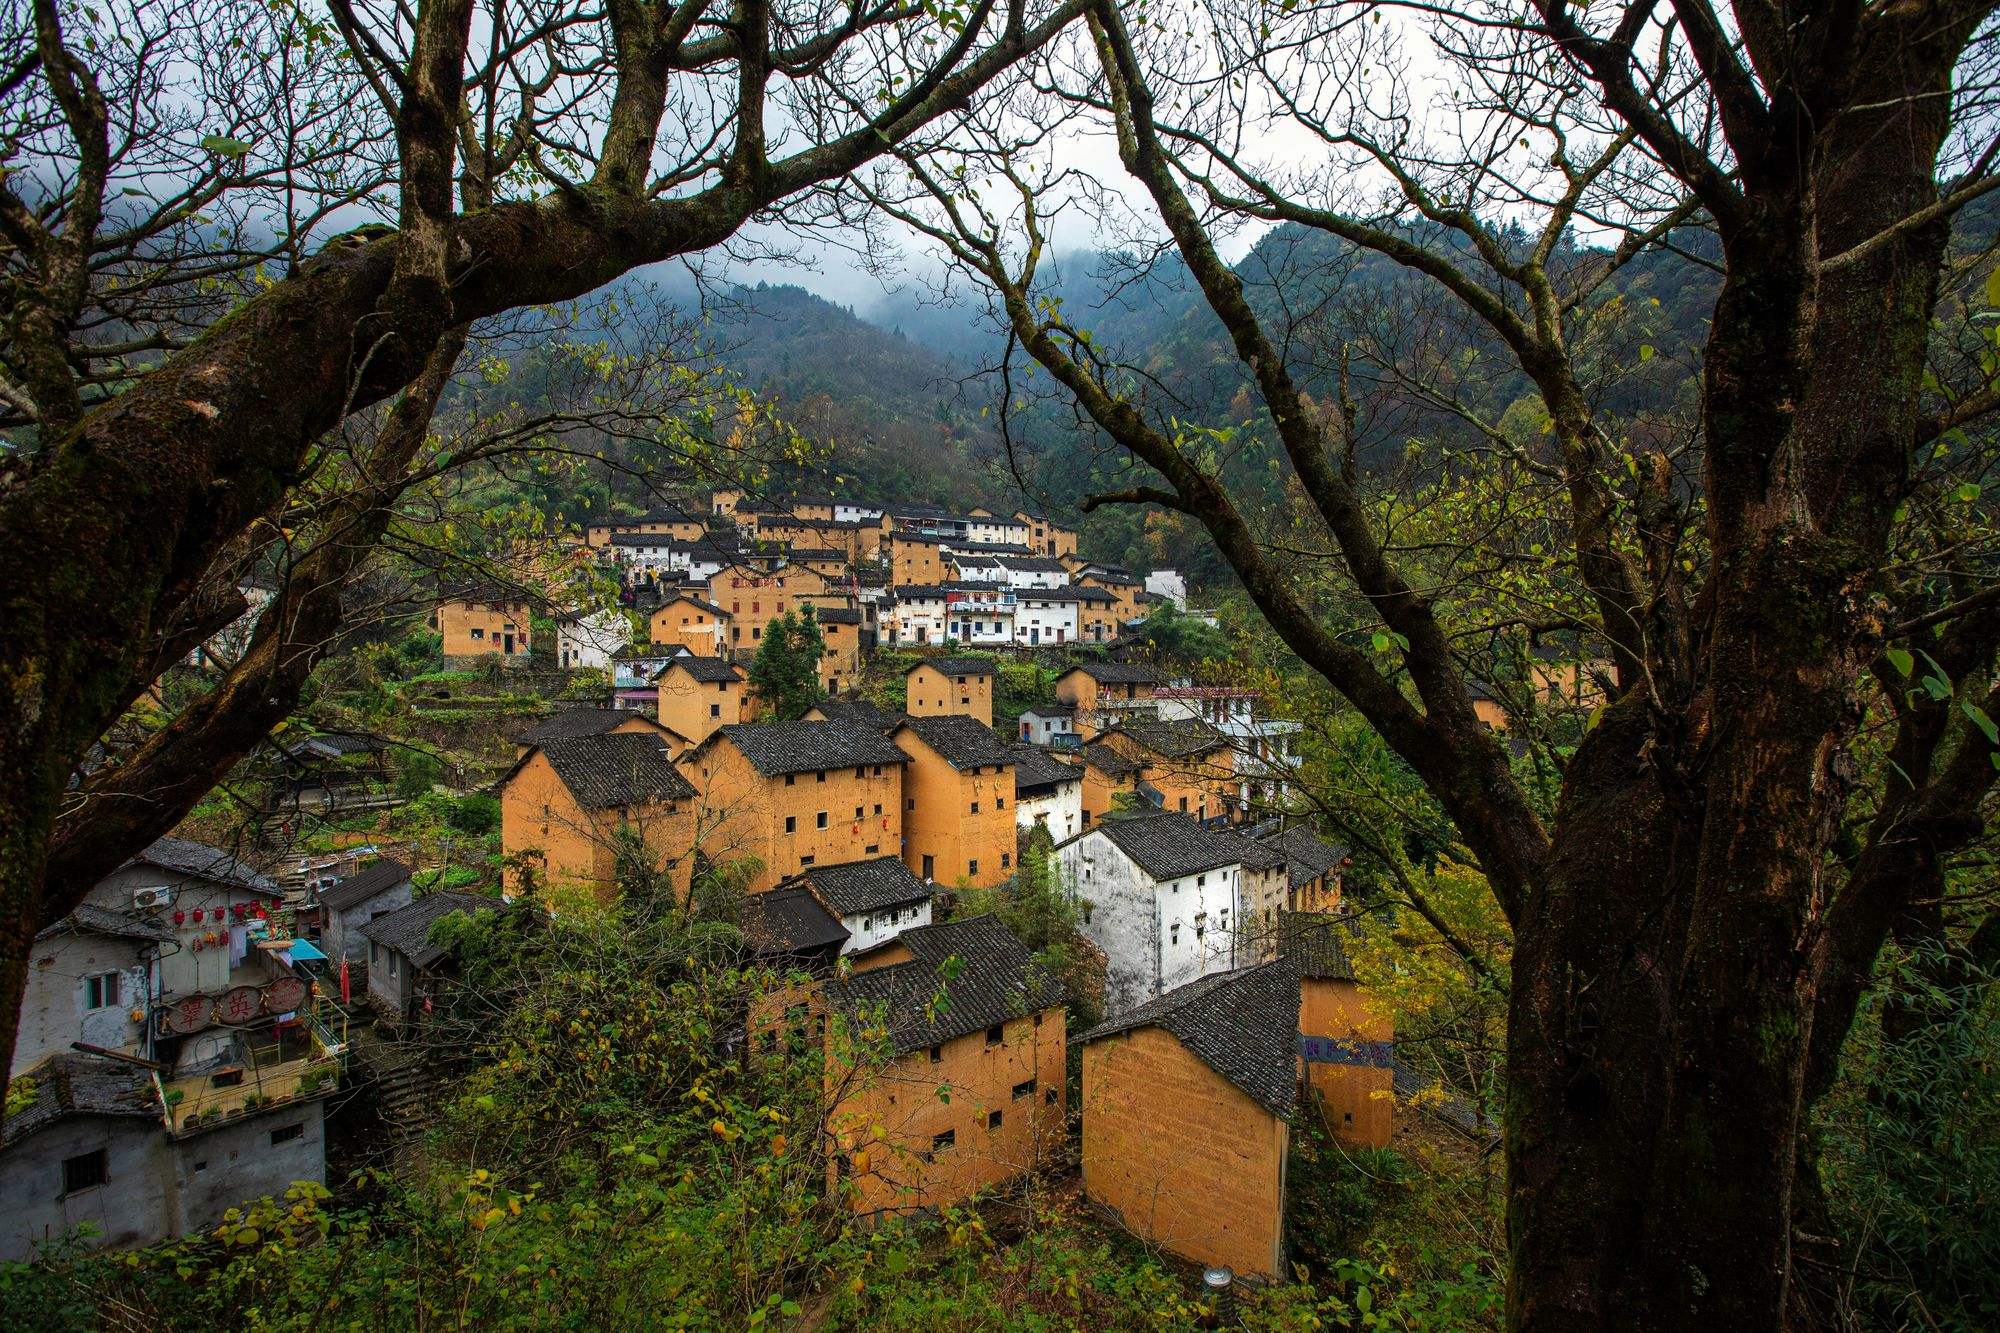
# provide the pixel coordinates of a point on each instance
(346, 989)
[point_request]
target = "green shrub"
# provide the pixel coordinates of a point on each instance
(477, 813)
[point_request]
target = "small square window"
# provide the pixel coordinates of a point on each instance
(1050, 1095)
(715, 710)
(791, 779)
(996, 1034)
(1006, 860)
(819, 820)
(1026, 1089)
(944, 1141)
(858, 813)
(807, 860)
(910, 803)
(286, 1133)
(1000, 803)
(878, 807)
(992, 1120)
(85, 1171)
(972, 867)
(101, 991)
(791, 823)
(937, 1055)
(975, 807)
(872, 848)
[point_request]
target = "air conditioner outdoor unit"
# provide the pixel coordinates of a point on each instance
(153, 897)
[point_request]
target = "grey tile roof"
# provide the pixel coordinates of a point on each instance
(1035, 767)
(692, 600)
(1108, 761)
(204, 862)
(859, 713)
(776, 748)
(616, 771)
(1174, 738)
(1168, 845)
(1313, 944)
(854, 887)
(90, 919)
(1120, 673)
(705, 669)
(995, 979)
(1306, 855)
(407, 929)
(1243, 1024)
(569, 722)
(788, 922)
(1033, 564)
(958, 666)
(837, 615)
(67, 1085)
(963, 742)
(364, 884)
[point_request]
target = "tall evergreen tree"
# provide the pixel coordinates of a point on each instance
(785, 675)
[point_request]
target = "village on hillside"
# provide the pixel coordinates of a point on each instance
(209, 1015)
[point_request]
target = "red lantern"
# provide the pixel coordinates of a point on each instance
(179, 917)
(263, 912)
(217, 914)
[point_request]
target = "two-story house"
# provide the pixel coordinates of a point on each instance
(957, 788)
(966, 1009)
(961, 686)
(700, 694)
(1168, 899)
(792, 795)
(568, 808)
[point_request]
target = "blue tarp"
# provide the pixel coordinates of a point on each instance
(304, 951)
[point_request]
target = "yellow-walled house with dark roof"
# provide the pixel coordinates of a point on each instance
(700, 695)
(565, 805)
(940, 686)
(797, 794)
(958, 792)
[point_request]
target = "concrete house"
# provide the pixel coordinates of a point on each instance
(1187, 1104)
(1346, 1042)
(956, 790)
(92, 1145)
(404, 967)
(794, 795)
(92, 977)
(700, 694)
(589, 642)
(917, 615)
(1167, 900)
(216, 906)
(1050, 724)
(1047, 792)
(996, 1043)
(950, 685)
(355, 901)
(565, 805)
(875, 900)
